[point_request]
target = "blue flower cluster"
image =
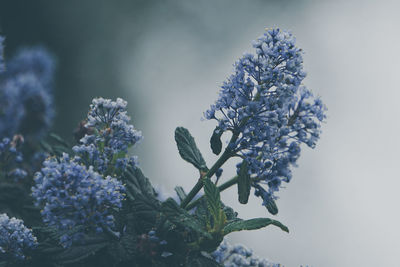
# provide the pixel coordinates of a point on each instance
(15, 238)
(74, 196)
(268, 110)
(107, 147)
(26, 101)
(239, 256)
(11, 158)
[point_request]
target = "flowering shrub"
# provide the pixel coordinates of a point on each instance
(89, 204)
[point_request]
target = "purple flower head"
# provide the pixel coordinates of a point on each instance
(239, 256)
(73, 195)
(265, 105)
(107, 147)
(15, 238)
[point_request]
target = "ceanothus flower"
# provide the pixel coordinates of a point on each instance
(268, 110)
(15, 238)
(73, 195)
(107, 146)
(26, 101)
(11, 158)
(239, 256)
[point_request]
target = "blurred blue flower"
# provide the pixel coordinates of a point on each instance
(35, 60)
(1, 54)
(26, 100)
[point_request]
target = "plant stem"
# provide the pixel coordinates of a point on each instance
(221, 188)
(224, 157)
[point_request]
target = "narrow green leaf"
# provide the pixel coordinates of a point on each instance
(59, 139)
(252, 224)
(46, 147)
(180, 192)
(188, 149)
(215, 141)
(77, 253)
(271, 206)
(181, 217)
(244, 183)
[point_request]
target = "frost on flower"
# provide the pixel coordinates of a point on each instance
(111, 136)
(265, 104)
(73, 195)
(15, 238)
(26, 101)
(239, 256)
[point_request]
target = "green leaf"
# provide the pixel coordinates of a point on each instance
(271, 206)
(180, 192)
(137, 183)
(202, 213)
(215, 141)
(141, 198)
(46, 147)
(188, 149)
(58, 139)
(181, 217)
(77, 253)
(252, 224)
(213, 199)
(212, 196)
(244, 183)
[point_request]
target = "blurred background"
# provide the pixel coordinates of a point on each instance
(168, 59)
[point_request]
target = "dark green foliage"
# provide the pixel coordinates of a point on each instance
(181, 217)
(180, 192)
(190, 235)
(271, 206)
(252, 224)
(77, 253)
(141, 200)
(188, 149)
(213, 199)
(244, 183)
(202, 261)
(55, 145)
(215, 141)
